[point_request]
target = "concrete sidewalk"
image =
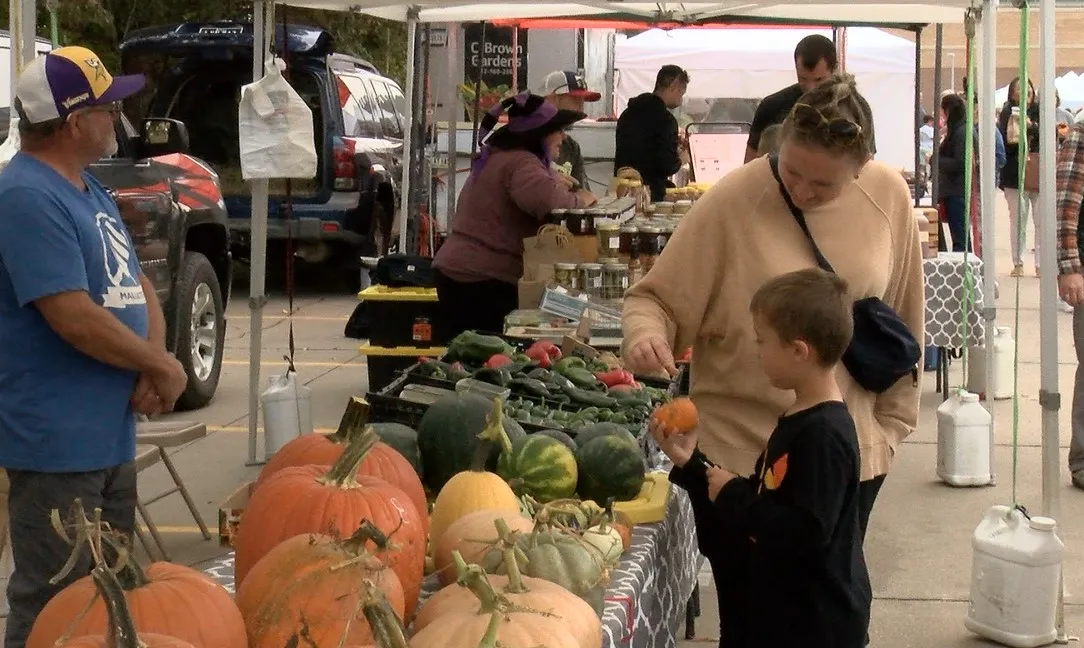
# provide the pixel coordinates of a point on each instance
(919, 540)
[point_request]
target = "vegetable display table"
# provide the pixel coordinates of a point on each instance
(648, 590)
(948, 282)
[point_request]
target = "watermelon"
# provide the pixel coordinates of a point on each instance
(404, 439)
(539, 466)
(560, 436)
(448, 436)
(592, 432)
(610, 466)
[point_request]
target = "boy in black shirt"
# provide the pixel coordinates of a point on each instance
(784, 544)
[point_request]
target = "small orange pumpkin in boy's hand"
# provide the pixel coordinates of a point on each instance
(678, 416)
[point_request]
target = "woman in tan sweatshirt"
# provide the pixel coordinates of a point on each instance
(739, 235)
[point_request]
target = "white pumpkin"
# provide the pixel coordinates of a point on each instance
(605, 540)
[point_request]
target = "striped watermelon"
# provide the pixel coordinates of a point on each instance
(610, 467)
(539, 466)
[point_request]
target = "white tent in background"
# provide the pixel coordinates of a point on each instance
(754, 62)
(1070, 88)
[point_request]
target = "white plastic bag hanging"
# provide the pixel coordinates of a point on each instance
(276, 129)
(12, 144)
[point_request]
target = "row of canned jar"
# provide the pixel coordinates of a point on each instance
(606, 280)
(582, 222)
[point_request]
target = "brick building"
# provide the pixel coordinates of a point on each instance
(1069, 40)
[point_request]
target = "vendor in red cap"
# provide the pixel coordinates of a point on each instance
(510, 192)
(568, 91)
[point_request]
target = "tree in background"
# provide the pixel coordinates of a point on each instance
(102, 24)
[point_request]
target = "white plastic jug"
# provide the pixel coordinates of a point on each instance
(1003, 350)
(1016, 570)
(963, 441)
(287, 411)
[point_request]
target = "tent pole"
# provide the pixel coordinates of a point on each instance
(918, 114)
(988, 191)
(938, 46)
(408, 133)
(451, 48)
(263, 30)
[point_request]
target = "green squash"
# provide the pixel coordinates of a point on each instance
(591, 432)
(559, 557)
(610, 467)
(448, 435)
(539, 466)
(403, 439)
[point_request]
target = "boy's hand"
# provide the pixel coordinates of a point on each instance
(679, 447)
(717, 478)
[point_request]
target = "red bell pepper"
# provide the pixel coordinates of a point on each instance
(497, 360)
(616, 377)
(544, 352)
(687, 355)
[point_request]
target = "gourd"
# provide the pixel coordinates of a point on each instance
(495, 622)
(335, 501)
(306, 589)
(539, 466)
(473, 535)
(519, 591)
(679, 416)
(121, 632)
(163, 598)
(475, 489)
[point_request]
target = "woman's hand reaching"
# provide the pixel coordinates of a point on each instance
(586, 198)
(650, 355)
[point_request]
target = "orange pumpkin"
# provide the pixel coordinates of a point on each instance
(623, 523)
(163, 598)
(522, 591)
(309, 584)
(335, 501)
(493, 621)
(678, 416)
(473, 535)
(121, 632)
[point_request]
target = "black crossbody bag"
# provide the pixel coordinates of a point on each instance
(882, 349)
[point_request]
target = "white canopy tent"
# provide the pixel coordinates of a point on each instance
(753, 63)
(1070, 88)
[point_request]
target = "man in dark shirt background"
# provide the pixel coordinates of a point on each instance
(647, 132)
(814, 62)
(568, 91)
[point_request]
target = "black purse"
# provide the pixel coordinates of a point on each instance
(882, 349)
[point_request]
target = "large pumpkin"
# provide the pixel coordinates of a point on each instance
(475, 489)
(522, 591)
(473, 535)
(494, 622)
(335, 501)
(306, 589)
(163, 598)
(121, 630)
(381, 460)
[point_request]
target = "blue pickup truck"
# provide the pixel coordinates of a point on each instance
(196, 71)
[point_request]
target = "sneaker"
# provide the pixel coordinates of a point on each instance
(1078, 479)
(1017, 271)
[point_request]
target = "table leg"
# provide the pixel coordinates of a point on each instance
(943, 371)
(692, 610)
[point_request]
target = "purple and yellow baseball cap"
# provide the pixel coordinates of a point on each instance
(64, 80)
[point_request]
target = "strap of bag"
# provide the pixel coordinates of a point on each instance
(799, 217)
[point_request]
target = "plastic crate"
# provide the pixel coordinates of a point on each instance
(385, 364)
(401, 316)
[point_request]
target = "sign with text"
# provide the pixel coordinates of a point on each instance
(494, 53)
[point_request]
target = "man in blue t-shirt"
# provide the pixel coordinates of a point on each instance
(82, 331)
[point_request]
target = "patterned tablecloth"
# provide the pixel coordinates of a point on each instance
(648, 591)
(945, 289)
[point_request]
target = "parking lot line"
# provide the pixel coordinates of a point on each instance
(345, 363)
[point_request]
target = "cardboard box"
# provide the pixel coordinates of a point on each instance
(229, 513)
(533, 285)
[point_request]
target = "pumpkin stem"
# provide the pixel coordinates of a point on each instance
(354, 420)
(367, 532)
(512, 556)
(489, 640)
(385, 625)
(493, 433)
(474, 578)
(94, 535)
(122, 632)
(343, 472)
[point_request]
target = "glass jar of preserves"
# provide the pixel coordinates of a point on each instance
(592, 217)
(559, 217)
(628, 243)
(649, 210)
(682, 207)
(574, 221)
(665, 232)
(607, 234)
(648, 247)
(565, 275)
(664, 208)
(591, 279)
(615, 280)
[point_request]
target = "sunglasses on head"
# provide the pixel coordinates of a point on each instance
(806, 118)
